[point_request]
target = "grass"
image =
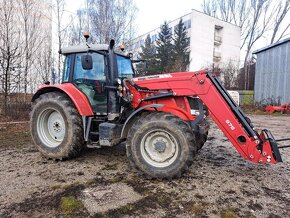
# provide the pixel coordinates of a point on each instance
(69, 205)
(198, 209)
(116, 179)
(228, 213)
(127, 208)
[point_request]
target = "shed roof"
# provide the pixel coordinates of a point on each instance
(272, 46)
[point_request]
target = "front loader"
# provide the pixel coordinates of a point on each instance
(162, 118)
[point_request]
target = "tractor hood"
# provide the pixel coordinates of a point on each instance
(162, 80)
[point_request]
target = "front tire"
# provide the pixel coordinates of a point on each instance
(56, 126)
(161, 145)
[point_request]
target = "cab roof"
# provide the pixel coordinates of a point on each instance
(84, 48)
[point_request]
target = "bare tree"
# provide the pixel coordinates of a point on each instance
(30, 18)
(111, 19)
(236, 12)
(58, 8)
(229, 72)
(282, 11)
(10, 50)
(78, 27)
(43, 62)
(255, 17)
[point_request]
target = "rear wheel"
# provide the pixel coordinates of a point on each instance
(56, 126)
(161, 145)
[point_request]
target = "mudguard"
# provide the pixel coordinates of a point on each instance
(77, 97)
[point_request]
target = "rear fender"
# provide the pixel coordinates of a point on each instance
(79, 99)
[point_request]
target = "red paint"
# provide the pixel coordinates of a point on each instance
(283, 108)
(78, 98)
(197, 84)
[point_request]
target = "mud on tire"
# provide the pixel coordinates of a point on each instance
(56, 126)
(161, 145)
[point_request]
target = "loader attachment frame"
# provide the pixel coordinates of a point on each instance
(230, 118)
(246, 122)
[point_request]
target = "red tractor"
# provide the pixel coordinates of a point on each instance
(161, 117)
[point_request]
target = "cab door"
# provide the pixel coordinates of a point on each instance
(92, 82)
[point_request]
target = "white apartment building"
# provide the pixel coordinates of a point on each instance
(212, 41)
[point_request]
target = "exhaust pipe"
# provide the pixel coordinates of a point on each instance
(113, 103)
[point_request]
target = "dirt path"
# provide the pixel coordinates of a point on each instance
(100, 183)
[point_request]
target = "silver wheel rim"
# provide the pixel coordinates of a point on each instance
(51, 127)
(159, 148)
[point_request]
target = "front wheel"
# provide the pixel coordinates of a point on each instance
(56, 126)
(161, 145)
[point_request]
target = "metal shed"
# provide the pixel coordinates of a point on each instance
(272, 78)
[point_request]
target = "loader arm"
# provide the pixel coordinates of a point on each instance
(258, 148)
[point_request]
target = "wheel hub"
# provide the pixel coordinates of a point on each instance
(159, 148)
(51, 127)
(57, 127)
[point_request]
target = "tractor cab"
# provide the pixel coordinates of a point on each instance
(93, 69)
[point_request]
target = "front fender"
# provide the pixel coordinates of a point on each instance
(79, 99)
(126, 125)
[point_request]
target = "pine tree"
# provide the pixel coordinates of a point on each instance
(165, 49)
(181, 51)
(149, 55)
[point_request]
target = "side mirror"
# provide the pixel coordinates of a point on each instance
(87, 62)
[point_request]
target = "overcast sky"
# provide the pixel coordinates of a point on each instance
(152, 13)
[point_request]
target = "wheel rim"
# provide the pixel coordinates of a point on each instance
(159, 148)
(51, 127)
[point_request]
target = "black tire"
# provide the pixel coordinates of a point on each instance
(173, 156)
(200, 140)
(56, 126)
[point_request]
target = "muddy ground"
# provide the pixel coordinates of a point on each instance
(100, 183)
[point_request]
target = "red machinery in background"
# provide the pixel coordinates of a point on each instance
(285, 108)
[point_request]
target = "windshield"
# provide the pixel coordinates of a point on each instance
(125, 68)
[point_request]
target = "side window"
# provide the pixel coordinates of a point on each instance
(125, 68)
(98, 71)
(67, 68)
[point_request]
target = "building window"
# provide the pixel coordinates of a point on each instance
(218, 35)
(218, 28)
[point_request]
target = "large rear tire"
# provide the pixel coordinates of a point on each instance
(56, 126)
(161, 145)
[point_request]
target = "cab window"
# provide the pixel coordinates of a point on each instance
(67, 68)
(92, 82)
(98, 71)
(125, 68)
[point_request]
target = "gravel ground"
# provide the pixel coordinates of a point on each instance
(219, 183)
